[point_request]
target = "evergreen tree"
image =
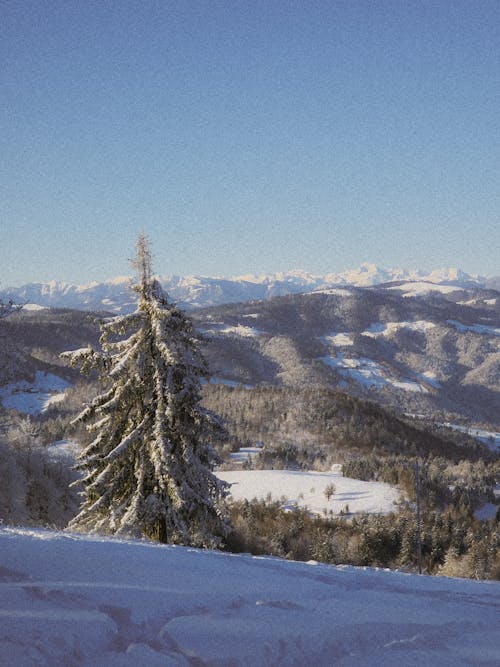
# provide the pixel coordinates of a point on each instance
(9, 307)
(148, 472)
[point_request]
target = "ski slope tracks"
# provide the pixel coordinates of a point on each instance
(78, 600)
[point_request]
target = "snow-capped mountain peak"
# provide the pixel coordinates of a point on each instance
(196, 291)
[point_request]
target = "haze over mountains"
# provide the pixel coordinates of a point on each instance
(198, 291)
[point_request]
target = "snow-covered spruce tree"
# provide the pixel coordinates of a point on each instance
(148, 472)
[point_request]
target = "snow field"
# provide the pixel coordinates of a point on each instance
(34, 397)
(475, 328)
(69, 599)
(369, 373)
(237, 330)
(390, 328)
(420, 288)
(489, 438)
(307, 489)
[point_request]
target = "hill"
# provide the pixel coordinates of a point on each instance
(68, 600)
(424, 354)
(434, 356)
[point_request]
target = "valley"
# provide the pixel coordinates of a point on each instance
(347, 385)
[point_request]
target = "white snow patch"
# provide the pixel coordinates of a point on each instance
(72, 599)
(474, 328)
(390, 328)
(34, 397)
(421, 288)
(338, 339)
(369, 373)
(307, 489)
(489, 438)
(431, 378)
(64, 449)
(33, 307)
(245, 454)
(237, 330)
(241, 330)
(490, 302)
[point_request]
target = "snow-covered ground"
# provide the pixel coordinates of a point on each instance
(370, 373)
(245, 454)
(307, 489)
(481, 329)
(64, 449)
(93, 602)
(338, 339)
(489, 438)
(34, 397)
(420, 288)
(390, 328)
(228, 330)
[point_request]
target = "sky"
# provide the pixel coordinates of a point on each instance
(248, 136)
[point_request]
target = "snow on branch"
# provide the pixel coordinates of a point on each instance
(132, 437)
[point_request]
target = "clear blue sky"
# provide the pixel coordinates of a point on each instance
(253, 136)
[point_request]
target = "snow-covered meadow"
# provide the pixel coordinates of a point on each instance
(307, 489)
(34, 397)
(370, 373)
(85, 601)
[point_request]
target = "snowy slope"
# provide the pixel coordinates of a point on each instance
(74, 600)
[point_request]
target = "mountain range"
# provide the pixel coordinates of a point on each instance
(412, 346)
(116, 296)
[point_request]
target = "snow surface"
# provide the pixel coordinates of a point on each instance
(420, 288)
(228, 383)
(64, 449)
(237, 330)
(33, 307)
(475, 328)
(34, 397)
(430, 377)
(370, 373)
(390, 328)
(489, 438)
(342, 339)
(244, 455)
(307, 489)
(241, 330)
(83, 601)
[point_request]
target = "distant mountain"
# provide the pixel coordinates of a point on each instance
(413, 352)
(199, 291)
(426, 353)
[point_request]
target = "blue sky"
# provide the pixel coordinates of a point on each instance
(248, 137)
